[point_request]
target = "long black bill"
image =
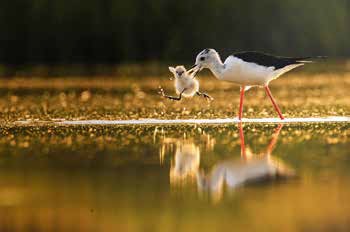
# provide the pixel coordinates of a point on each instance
(196, 72)
(192, 69)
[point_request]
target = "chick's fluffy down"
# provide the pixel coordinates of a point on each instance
(191, 85)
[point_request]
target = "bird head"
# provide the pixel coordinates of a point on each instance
(205, 59)
(178, 71)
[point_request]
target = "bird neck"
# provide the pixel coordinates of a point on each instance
(217, 67)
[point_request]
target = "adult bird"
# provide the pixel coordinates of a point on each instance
(248, 69)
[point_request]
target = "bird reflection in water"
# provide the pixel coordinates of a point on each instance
(225, 175)
(185, 163)
(250, 168)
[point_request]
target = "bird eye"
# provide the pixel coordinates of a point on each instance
(202, 58)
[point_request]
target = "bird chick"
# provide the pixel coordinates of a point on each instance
(185, 84)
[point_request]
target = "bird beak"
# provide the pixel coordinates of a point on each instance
(196, 72)
(195, 68)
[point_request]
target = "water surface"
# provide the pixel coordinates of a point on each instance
(261, 177)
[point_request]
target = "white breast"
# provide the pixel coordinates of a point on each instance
(244, 73)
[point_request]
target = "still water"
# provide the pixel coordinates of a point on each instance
(250, 177)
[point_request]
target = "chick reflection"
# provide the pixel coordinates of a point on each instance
(226, 174)
(185, 163)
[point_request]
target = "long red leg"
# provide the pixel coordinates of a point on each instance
(273, 141)
(241, 103)
(273, 102)
(241, 136)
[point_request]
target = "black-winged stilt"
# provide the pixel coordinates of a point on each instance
(248, 69)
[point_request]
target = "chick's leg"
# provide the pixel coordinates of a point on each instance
(204, 95)
(161, 92)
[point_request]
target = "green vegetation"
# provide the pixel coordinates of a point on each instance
(98, 32)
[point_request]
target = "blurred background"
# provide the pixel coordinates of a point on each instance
(63, 61)
(94, 37)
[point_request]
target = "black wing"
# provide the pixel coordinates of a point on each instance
(269, 60)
